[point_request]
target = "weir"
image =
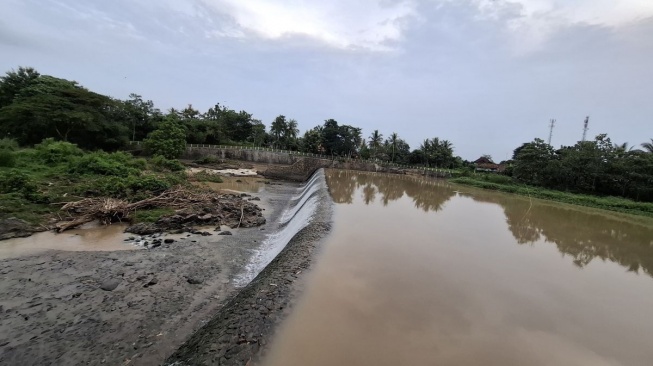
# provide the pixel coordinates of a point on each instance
(299, 213)
(240, 333)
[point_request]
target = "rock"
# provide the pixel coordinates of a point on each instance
(255, 199)
(193, 280)
(143, 229)
(155, 245)
(110, 284)
(217, 229)
(206, 217)
(206, 233)
(168, 241)
(226, 233)
(152, 282)
(238, 181)
(14, 228)
(245, 195)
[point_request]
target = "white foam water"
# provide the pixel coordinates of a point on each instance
(297, 216)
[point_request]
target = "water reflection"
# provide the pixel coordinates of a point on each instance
(428, 195)
(582, 234)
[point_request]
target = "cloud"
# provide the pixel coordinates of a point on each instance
(530, 24)
(364, 24)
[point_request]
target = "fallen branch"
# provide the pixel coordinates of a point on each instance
(108, 210)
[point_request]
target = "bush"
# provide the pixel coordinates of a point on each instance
(7, 158)
(15, 181)
(160, 163)
(8, 144)
(50, 151)
(131, 187)
(100, 163)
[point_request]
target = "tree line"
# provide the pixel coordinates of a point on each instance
(34, 107)
(598, 167)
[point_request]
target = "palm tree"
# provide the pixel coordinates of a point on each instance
(375, 141)
(278, 127)
(648, 146)
(291, 129)
(394, 139)
(426, 148)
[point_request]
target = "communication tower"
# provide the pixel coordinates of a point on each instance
(551, 125)
(585, 128)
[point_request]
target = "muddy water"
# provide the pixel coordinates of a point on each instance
(424, 273)
(237, 184)
(91, 237)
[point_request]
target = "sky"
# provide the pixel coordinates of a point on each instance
(488, 75)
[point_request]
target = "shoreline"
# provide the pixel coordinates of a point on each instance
(56, 310)
(611, 204)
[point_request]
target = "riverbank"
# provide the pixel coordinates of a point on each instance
(606, 203)
(125, 307)
(241, 331)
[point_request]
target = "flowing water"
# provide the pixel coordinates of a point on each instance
(424, 273)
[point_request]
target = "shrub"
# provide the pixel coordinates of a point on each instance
(8, 144)
(160, 163)
(497, 178)
(7, 158)
(100, 163)
(15, 181)
(53, 152)
(131, 187)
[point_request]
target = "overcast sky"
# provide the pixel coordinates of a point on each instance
(485, 74)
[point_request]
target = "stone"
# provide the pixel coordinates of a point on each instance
(168, 241)
(110, 284)
(142, 229)
(206, 233)
(14, 228)
(193, 280)
(255, 199)
(225, 233)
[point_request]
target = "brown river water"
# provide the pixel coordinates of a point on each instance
(425, 273)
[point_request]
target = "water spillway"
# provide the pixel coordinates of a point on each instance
(298, 214)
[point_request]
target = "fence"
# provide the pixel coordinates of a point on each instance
(384, 164)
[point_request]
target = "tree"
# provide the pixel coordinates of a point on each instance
(648, 146)
(375, 139)
(393, 140)
(14, 82)
(169, 140)
(278, 128)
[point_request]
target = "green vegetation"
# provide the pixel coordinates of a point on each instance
(41, 111)
(151, 215)
(55, 171)
(596, 167)
(505, 184)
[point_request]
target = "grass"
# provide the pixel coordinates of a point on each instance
(606, 203)
(40, 178)
(151, 215)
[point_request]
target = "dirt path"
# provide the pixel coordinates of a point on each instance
(56, 312)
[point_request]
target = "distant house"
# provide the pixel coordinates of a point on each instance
(485, 164)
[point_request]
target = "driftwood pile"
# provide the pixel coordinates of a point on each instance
(108, 210)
